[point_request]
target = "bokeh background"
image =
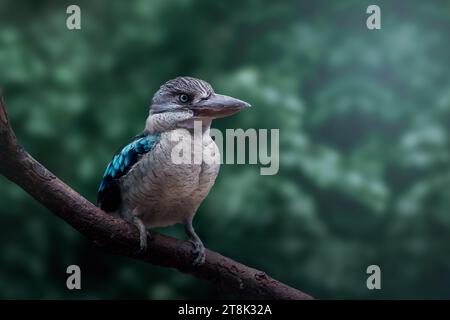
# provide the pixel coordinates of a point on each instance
(364, 119)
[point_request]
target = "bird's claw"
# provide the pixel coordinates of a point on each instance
(199, 253)
(143, 244)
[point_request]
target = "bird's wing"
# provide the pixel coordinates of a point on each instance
(108, 197)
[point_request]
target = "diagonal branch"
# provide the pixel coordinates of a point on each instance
(121, 238)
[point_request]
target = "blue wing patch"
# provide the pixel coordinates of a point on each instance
(108, 197)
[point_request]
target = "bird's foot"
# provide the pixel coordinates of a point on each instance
(143, 244)
(143, 235)
(198, 252)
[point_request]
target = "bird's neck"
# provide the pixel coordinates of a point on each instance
(163, 122)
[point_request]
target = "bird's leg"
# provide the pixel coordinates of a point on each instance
(142, 234)
(131, 216)
(199, 248)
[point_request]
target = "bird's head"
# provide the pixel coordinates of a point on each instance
(189, 99)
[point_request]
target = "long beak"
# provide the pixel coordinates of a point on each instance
(218, 106)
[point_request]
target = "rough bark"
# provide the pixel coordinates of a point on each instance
(120, 237)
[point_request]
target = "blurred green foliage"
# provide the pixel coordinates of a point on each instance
(364, 119)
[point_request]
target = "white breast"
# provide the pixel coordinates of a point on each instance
(160, 190)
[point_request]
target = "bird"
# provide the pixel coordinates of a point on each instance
(144, 185)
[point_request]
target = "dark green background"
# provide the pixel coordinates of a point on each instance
(364, 119)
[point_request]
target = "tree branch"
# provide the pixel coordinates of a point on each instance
(122, 238)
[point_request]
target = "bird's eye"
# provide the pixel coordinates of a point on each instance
(184, 98)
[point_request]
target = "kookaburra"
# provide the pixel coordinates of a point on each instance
(143, 185)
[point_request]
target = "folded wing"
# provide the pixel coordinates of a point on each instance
(108, 197)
